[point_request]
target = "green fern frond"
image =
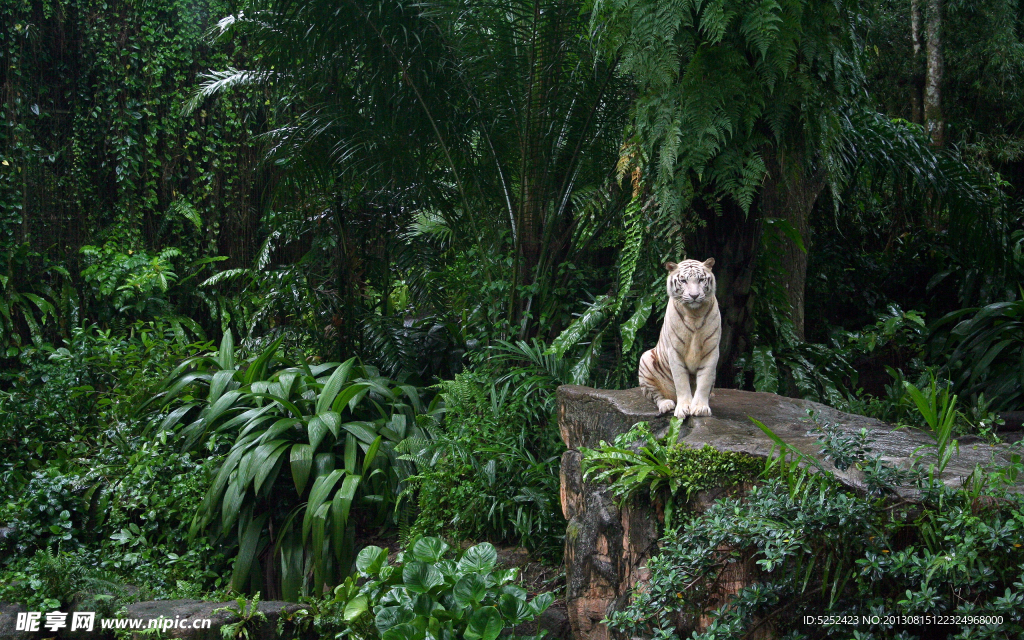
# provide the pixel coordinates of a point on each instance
(581, 326)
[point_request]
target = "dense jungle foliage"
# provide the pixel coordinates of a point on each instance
(286, 282)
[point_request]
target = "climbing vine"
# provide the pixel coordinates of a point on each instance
(95, 147)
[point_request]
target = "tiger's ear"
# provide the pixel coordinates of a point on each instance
(670, 266)
(710, 262)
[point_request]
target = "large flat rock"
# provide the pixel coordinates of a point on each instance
(607, 545)
(587, 416)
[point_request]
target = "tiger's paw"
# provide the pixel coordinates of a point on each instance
(666, 405)
(682, 410)
(699, 408)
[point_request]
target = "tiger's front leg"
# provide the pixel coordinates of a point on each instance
(700, 404)
(681, 381)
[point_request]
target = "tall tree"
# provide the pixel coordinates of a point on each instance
(933, 120)
(917, 86)
(737, 108)
(496, 118)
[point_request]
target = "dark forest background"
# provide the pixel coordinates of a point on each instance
(297, 253)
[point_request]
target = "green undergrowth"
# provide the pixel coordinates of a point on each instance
(665, 471)
(810, 546)
(491, 470)
(91, 509)
(429, 593)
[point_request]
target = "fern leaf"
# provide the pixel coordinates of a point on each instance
(629, 328)
(580, 327)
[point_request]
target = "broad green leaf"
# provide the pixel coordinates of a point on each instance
(219, 383)
(281, 426)
(424, 605)
(350, 397)
(316, 430)
(284, 402)
(257, 370)
(217, 409)
(404, 631)
(323, 464)
(484, 624)
(333, 421)
(322, 487)
(340, 508)
(370, 560)
(371, 455)
(581, 326)
(355, 607)
(420, 577)
(429, 549)
(250, 464)
(292, 573)
(481, 558)
(629, 328)
(351, 453)
(226, 354)
(333, 385)
(513, 609)
(174, 417)
(273, 462)
(286, 383)
(220, 482)
(234, 494)
(541, 602)
(365, 431)
(246, 552)
(301, 461)
(249, 427)
(388, 617)
(469, 590)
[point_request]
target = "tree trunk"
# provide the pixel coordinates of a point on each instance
(789, 194)
(733, 240)
(933, 82)
(917, 81)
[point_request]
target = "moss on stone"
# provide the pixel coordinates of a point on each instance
(572, 531)
(708, 468)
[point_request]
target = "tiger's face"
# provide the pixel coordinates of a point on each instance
(691, 282)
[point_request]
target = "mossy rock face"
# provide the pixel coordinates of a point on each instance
(608, 542)
(8, 622)
(708, 469)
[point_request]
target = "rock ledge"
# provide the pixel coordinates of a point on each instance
(606, 548)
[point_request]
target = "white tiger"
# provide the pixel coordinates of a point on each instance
(688, 344)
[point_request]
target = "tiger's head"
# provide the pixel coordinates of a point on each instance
(691, 282)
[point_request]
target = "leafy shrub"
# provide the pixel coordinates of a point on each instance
(144, 519)
(429, 596)
(985, 350)
(827, 373)
(311, 446)
(665, 469)
(26, 301)
(823, 551)
(249, 618)
(488, 473)
(66, 401)
(134, 285)
(116, 519)
(820, 549)
(55, 580)
(53, 509)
